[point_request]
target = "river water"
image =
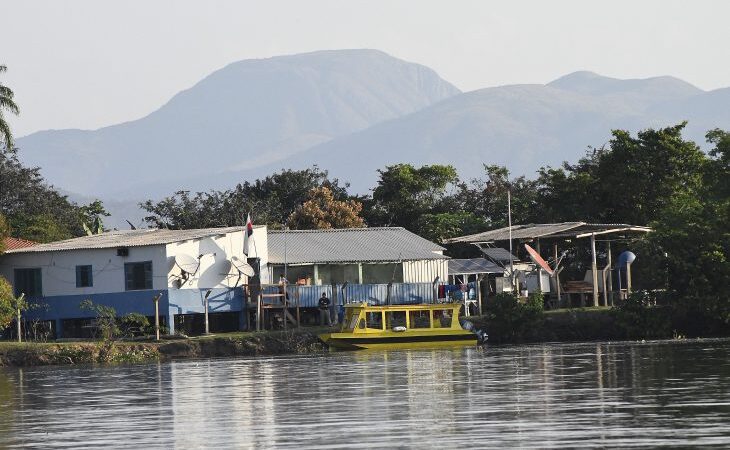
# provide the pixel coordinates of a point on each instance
(554, 395)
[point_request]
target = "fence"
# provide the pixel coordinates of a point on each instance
(400, 293)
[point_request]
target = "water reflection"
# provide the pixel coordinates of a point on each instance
(533, 396)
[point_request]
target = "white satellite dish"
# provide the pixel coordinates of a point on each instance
(187, 263)
(243, 267)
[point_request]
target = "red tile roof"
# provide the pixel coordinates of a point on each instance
(12, 243)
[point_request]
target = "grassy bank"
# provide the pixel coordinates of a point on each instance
(226, 345)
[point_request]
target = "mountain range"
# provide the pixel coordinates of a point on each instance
(353, 112)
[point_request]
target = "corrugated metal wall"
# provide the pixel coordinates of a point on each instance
(424, 271)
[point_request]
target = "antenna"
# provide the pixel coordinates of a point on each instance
(187, 264)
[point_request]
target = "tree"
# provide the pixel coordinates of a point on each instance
(7, 312)
(322, 211)
(91, 217)
(630, 181)
(30, 205)
(271, 201)
(6, 104)
(4, 232)
(405, 193)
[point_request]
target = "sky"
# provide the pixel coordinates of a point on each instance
(91, 63)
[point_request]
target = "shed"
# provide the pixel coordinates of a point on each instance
(355, 255)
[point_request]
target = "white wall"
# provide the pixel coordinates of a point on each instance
(58, 269)
(215, 269)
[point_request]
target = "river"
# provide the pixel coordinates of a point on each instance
(553, 395)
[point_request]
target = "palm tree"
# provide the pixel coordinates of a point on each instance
(6, 103)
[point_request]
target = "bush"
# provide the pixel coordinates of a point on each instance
(508, 320)
(638, 317)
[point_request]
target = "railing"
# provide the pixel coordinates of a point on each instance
(400, 293)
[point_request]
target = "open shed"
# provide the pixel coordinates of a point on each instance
(556, 232)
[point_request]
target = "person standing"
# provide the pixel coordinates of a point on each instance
(324, 309)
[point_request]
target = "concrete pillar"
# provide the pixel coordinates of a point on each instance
(170, 322)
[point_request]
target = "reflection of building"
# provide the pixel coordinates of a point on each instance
(126, 269)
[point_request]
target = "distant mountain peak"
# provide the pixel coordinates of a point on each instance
(586, 82)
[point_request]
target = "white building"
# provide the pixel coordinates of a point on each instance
(126, 269)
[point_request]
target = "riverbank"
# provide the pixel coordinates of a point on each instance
(226, 345)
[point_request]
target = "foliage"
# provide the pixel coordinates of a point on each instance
(6, 104)
(442, 226)
(7, 299)
(638, 317)
(33, 209)
(405, 193)
(4, 232)
(270, 200)
(91, 217)
(509, 320)
(322, 211)
(106, 319)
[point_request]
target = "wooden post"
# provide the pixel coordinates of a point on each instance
(557, 274)
(479, 294)
(17, 320)
(609, 282)
(258, 310)
(594, 269)
(628, 279)
(285, 310)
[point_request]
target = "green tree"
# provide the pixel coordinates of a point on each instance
(4, 232)
(271, 200)
(6, 104)
(405, 193)
(29, 203)
(630, 181)
(322, 211)
(7, 312)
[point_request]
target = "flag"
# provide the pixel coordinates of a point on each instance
(247, 234)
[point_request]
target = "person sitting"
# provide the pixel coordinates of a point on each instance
(324, 309)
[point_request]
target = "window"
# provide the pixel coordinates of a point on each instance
(395, 319)
(419, 319)
(84, 277)
(28, 282)
(138, 275)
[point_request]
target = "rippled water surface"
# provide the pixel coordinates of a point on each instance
(606, 395)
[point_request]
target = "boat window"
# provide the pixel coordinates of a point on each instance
(361, 325)
(374, 320)
(395, 319)
(353, 321)
(442, 319)
(419, 319)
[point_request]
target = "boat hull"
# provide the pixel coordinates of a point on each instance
(346, 341)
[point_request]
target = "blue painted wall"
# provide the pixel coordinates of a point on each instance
(172, 302)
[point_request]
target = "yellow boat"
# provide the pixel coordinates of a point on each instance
(400, 326)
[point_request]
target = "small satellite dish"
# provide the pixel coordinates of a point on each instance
(187, 263)
(243, 267)
(537, 259)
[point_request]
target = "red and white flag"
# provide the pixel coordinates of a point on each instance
(247, 234)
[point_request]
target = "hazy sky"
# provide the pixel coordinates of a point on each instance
(87, 64)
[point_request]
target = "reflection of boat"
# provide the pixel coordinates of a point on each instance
(367, 326)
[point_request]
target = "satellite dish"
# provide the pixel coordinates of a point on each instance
(243, 267)
(537, 259)
(187, 263)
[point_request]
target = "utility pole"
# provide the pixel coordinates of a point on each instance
(509, 221)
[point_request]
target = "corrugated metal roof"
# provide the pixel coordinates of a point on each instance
(127, 238)
(553, 230)
(11, 243)
(471, 266)
(385, 244)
